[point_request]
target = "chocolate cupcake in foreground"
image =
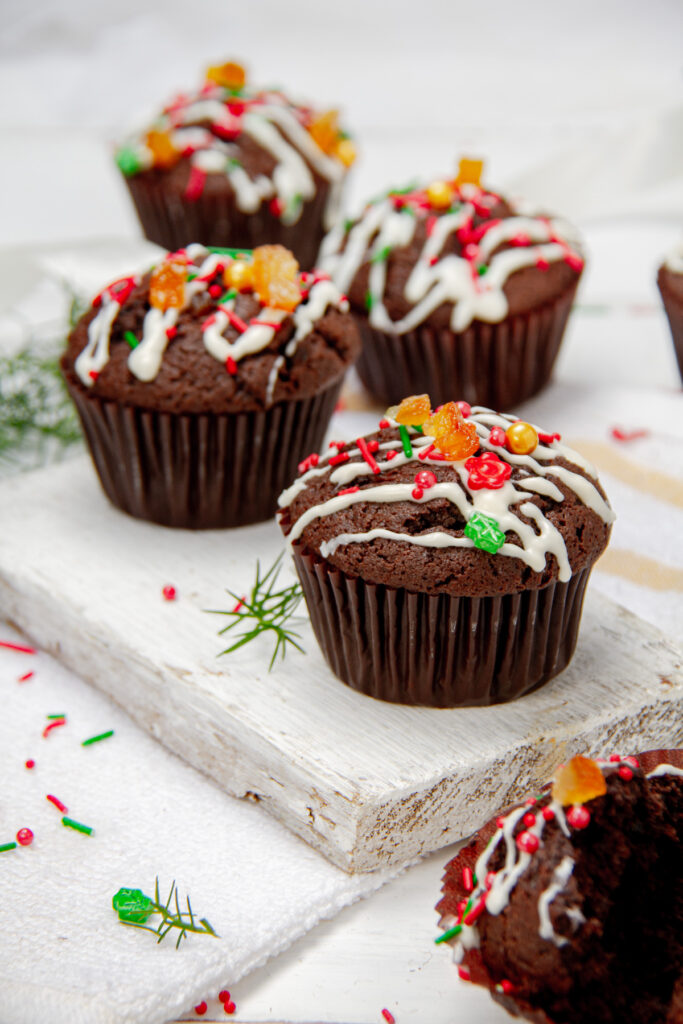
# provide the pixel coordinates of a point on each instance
(569, 907)
(670, 284)
(456, 291)
(201, 384)
(444, 557)
(230, 164)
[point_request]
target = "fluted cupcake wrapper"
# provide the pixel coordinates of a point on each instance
(201, 470)
(674, 312)
(439, 650)
(497, 365)
(172, 221)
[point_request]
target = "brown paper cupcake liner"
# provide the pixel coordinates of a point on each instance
(674, 312)
(439, 650)
(172, 221)
(201, 470)
(497, 365)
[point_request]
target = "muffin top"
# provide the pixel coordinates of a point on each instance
(450, 253)
(461, 501)
(266, 147)
(213, 330)
(568, 906)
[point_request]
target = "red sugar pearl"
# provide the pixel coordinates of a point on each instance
(527, 842)
(201, 1009)
(624, 772)
(548, 813)
(578, 816)
(30, 763)
(497, 436)
(24, 837)
(529, 819)
(383, 424)
(224, 996)
(215, 290)
(373, 446)
(507, 986)
(169, 592)
(391, 454)
(425, 479)
(465, 408)
(530, 801)
(615, 757)
(633, 761)
(229, 1007)
(417, 493)
(500, 822)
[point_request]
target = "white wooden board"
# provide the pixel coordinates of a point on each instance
(365, 782)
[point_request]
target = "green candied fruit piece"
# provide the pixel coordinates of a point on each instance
(132, 905)
(485, 533)
(128, 161)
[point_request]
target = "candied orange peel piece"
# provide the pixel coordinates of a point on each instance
(167, 286)
(469, 171)
(324, 130)
(274, 277)
(453, 435)
(162, 149)
(229, 75)
(345, 151)
(413, 411)
(578, 781)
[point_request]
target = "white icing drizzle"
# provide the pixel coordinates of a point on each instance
(665, 769)
(537, 539)
(561, 876)
(438, 279)
(144, 361)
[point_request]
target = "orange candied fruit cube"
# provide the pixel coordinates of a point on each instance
(324, 129)
(413, 411)
(274, 277)
(453, 436)
(162, 149)
(469, 172)
(578, 781)
(167, 286)
(228, 75)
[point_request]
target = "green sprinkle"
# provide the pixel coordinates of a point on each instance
(233, 162)
(228, 297)
(55, 716)
(70, 823)
(418, 428)
(128, 161)
(450, 934)
(402, 191)
(382, 255)
(7, 846)
(405, 441)
(482, 270)
(222, 251)
(348, 223)
(96, 739)
(131, 339)
(369, 300)
(191, 277)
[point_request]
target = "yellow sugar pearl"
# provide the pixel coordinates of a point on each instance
(239, 274)
(346, 152)
(229, 75)
(469, 172)
(440, 195)
(521, 438)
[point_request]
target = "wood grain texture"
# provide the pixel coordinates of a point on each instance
(367, 783)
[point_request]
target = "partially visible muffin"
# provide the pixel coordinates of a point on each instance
(569, 907)
(201, 384)
(230, 164)
(456, 290)
(670, 284)
(444, 557)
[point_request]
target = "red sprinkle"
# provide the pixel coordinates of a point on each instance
(388, 1016)
(426, 452)
(365, 452)
(541, 263)
(239, 604)
(171, 332)
(527, 842)
(195, 184)
(529, 819)
(30, 763)
(633, 761)
(615, 757)
(548, 813)
(53, 725)
(169, 592)
(383, 424)
(93, 374)
(58, 803)
(430, 225)
(349, 490)
(463, 974)
(467, 879)
(337, 459)
(339, 445)
(617, 434)
(201, 1009)
(624, 772)
(24, 837)
(231, 366)
(548, 438)
(276, 207)
(308, 462)
(235, 321)
(500, 822)
(16, 647)
(530, 801)
(26, 676)
(578, 816)
(476, 911)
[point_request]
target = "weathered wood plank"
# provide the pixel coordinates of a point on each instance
(367, 783)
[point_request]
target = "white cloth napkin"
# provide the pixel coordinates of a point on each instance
(64, 957)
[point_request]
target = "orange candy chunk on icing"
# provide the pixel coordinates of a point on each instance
(228, 75)
(578, 781)
(162, 149)
(324, 130)
(167, 286)
(413, 411)
(453, 435)
(274, 277)
(469, 172)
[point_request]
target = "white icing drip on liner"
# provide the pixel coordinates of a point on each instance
(449, 279)
(561, 876)
(665, 769)
(95, 355)
(272, 378)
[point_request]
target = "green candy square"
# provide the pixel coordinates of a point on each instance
(485, 533)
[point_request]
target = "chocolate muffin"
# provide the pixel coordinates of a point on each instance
(233, 165)
(456, 290)
(444, 557)
(670, 284)
(569, 907)
(202, 383)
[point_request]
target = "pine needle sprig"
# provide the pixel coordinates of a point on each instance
(266, 610)
(133, 908)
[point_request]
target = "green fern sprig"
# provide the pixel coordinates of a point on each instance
(134, 908)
